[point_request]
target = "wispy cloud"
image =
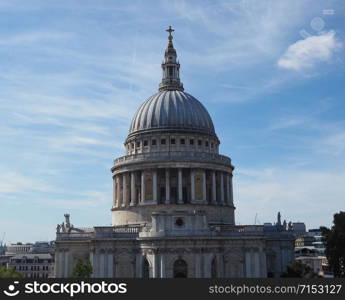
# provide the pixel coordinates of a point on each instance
(307, 52)
(33, 37)
(72, 80)
(16, 183)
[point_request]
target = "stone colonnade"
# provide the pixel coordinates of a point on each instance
(107, 264)
(172, 186)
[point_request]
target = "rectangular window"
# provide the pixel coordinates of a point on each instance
(206, 144)
(211, 145)
(132, 145)
(163, 141)
(146, 143)
(153, 142)
(191, 142)
(199, 142)
(182, 141)
(138, 144)
(172, 141)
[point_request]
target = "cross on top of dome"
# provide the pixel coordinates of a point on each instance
(170, 30)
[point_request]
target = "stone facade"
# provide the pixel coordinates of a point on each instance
(173, 206)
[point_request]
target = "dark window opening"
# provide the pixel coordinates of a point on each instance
(172, 141)
(211, 145)
(182, 141)
(170, 69)
(180, 269)
(146, 268)
(214, 268)
(163, 141)
(206, 144)
(191, 142)
(179, 222)
(153, 142)
(199, 142)
(138, 144)
(146, 143)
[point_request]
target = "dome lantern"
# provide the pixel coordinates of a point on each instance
(171, 68)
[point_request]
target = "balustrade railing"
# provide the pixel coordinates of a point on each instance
(173, 155)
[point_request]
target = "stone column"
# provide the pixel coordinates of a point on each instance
(220, 266)
(207, 265)
(154, 186)
(139, 265)
(162, 266)
(256, 264)
(142, 187)
(110, 264)
(248, 264)
(231, 191)
(192, 185)
(133, 190)
(60, 271)
(263, 265)
(155, 266)
(95, 263)
(118, 190)
(214, 188)
(124, 189)
(180, 195)
(114, 191)
(227, 185)
(222, 188)
(102, 265)
(204, 186)
(197, 265)
(167, 186)
(66, 265)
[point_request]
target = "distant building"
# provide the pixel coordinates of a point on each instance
(311, 257)
(32, 260)
(38, 265)
(2, 248)
(299, 228)
(37, 247)
(310, 250)
(304, 241)
(4, 260)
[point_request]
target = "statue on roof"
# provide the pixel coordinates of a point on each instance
(279, 220)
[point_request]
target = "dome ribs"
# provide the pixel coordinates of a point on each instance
(172, 110)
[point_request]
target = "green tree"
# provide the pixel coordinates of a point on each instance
(334, 240)
(82, 270)
(298, 269)
(9, 272)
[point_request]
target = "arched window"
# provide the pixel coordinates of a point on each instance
(214, 268)
(180, 269)
(146, 268)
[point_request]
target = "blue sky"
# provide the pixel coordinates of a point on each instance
(271, 74)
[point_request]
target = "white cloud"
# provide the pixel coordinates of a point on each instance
(306, 53)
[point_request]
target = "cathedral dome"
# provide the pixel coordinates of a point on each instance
(172, 110)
